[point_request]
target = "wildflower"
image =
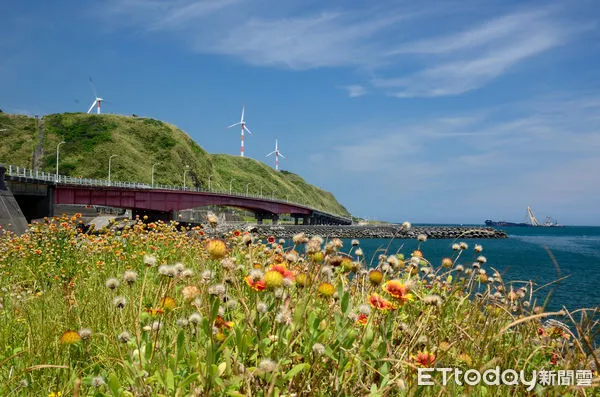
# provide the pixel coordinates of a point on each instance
(267, 365)
(168, 303)
(186, 273)
(228, 263)
(318, 349)
(154, 311)
(348, 265)
(85, 333)
(302, 280)
(112, 283)
(283, 317)
(119, 302)
(190, 292)
(273, 279)
(455, 247)
(463, 245)
(53, 394)
(299, 238)
(220, 323)
(179, 267)
(129, 276)
(481, 259)
(326, 289)
(261, 307)
(393, 261)
(376, 277)
(217, 289)
(195, 318)
(216, 248)
(207, 275)
(358, 252)
(281, 268)
(149, 260)
(271, 239)
(364, 309)
(69, 338)
(422, 237)
(362, 319)
(379, 302)
(278, 292)
(354, 242)
(434, 300)
(291, 256)
(124, 337)
(182, 322)
(97, 381)
(281, 241)
(327, 271)
(478, 248)
(398, 290)
(447, 263)
(167, 270)
(424, 359)
(459, 268)
(417, 254)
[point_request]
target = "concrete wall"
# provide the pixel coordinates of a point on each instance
(11, 216)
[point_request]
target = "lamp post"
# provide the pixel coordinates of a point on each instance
(57, 148)
(247, 189)
(210, 176)
(187, 168)
(109, 163)
(153, 165)
(230, 185)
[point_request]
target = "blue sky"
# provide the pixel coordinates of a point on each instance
(437, 111)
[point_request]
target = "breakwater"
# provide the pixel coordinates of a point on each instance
(378, 231)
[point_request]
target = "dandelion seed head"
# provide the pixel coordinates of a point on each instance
(182, 322)
(481, 259)
(207, 275)
(97, 381)
(478, 248)
(195, 318)
(287, 283)
(318, 349)
(156, 326)
(455, 246)
(359, 252)
(216, 289)
(355, 242)
(364, 309)
(228, 263)
(85, 333)
(267, 365)
(261, 307)
(422, 237)
(119, 302)
(256, 274)
(149, 260)
(463, 245)
(129, 276)
(179, 267)
(187, 273)
(112, 283)
(124, 337)
(433, 300)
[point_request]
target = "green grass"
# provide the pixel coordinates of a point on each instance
(323, 325)
(140, 143)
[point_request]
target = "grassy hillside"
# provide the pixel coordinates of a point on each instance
(139, 143)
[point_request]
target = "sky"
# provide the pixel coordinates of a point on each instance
(428, 112)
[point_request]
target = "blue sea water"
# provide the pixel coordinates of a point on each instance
(523, 256)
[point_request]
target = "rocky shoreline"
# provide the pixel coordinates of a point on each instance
(379, 231)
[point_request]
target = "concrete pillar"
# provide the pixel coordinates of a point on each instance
(275, 218)
(11, 216)
(259, 218)
(295, 220)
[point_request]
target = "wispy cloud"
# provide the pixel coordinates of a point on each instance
(462, 56)
(355, 90)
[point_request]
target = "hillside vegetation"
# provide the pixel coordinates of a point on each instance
(139, 143)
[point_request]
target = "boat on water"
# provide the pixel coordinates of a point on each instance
(532, 221)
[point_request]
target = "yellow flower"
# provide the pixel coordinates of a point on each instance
(447, 263)
(168, 303)
(301, 280)
(326, 289)
(216, 248)
(69, 338)
(53, 394)
(398, 290)
(375, 276)
(273, 279)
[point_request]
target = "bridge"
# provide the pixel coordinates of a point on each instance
(38, 192)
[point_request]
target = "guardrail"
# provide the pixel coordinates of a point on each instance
(16, 171)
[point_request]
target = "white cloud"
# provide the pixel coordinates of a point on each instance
(355, 90)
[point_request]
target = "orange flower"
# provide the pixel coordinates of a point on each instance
(362, 319)
(281, 268)
(417, 253)
(154, 311)
(424, 359)
(379, 302)
(258, 285)
(398, 290)
(220, 323)
(168, 303)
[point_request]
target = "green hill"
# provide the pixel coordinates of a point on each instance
(140, 143)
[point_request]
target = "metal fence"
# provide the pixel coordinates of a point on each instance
(22, 172)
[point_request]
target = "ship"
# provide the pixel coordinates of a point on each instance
(532, 221)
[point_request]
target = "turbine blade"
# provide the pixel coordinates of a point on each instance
(93, 88)
(233, 125)
(91, 107)
(242, 119)
(269, 154)
(246, 128)
(281, 155)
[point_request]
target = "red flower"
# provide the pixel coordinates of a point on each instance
(379, 302)
(237, 233)
(281, 268)
(258, 285)
(271, 239)
(424, 359)
(398, 290)
(362, 319)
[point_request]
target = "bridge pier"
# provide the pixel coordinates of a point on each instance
(153, 216)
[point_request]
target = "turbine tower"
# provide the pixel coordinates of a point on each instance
(242, 123)
(277, 154)
(97, 99)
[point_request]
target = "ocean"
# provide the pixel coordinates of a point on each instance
(523, 256)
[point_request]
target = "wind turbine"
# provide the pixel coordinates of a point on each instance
(97, 99)
(277, 154)
(242, 123)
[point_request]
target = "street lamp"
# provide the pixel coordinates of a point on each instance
(153, 165)
(247, 189)
(187, 168)
(210, 176)
(57, 148)
(109, 162)
(230, 183)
